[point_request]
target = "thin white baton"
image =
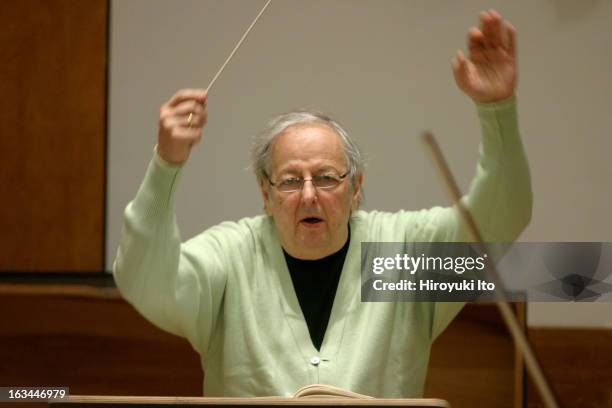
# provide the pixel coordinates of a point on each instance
(237, 46)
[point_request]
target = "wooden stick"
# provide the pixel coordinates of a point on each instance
(212, 82)
(520, 340)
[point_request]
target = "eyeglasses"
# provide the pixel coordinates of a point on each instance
(326, 181)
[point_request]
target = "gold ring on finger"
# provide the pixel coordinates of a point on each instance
(190, 120)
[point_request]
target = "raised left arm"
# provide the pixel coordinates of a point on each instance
(500, 197)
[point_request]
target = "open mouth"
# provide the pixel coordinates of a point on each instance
(312, 220)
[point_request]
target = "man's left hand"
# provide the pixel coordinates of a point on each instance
(489, 74)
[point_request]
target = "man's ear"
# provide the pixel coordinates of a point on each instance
(265, 192)
(357, 192)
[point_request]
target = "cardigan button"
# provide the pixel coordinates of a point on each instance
(315, 361)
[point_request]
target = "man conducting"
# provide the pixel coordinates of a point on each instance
(272, 303)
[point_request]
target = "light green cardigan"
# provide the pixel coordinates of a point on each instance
(228, 290)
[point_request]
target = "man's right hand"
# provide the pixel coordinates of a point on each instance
(181, 121)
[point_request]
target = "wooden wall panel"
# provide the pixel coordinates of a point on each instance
(94, 343)
(579, 363)
(52, 134)
(472, 362)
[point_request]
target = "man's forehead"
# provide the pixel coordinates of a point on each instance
(307, 144)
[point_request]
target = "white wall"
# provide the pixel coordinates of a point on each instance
(383, 68)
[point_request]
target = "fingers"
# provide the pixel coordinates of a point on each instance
(494, 39)
(181, 120)
(197, 122)
(188, 107)
(176, 137)
(490, 71)
(176, 113)
(458, 61)
(511, 43)
(476, 44)
(491, 26)
(198, 95)
(494, 33)
(460, 69)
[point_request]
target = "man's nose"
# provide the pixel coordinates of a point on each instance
(309, 192)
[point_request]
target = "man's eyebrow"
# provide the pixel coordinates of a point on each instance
(296, 170)
(328, 167)
(289, 170)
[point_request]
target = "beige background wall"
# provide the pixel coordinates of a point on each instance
(383, 69)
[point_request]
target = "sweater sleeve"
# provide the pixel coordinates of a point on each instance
(499, 197)
(175, 287)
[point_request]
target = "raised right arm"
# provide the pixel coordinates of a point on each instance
(178, 288)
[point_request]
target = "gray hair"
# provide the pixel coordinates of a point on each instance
(262, 144)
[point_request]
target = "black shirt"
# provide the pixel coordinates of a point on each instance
(315, 283)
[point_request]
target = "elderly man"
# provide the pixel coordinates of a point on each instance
(272, 303)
